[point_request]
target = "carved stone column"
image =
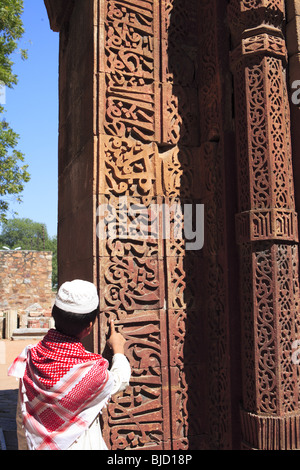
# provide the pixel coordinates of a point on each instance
(147, 137)
(266, 226)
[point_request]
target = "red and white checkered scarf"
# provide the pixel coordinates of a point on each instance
(62, 390)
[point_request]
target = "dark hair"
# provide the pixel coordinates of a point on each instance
(72, 324)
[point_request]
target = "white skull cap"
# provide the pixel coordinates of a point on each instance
(77, 297)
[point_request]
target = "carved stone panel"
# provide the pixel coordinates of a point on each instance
(131, 283)
(140, 417)
(266, 225)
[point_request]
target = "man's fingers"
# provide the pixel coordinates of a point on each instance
(112, 327)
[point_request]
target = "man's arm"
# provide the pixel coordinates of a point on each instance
(120, 366)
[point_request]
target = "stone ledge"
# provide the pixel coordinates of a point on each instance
(261, 432)
(59, 12)
(29, 333)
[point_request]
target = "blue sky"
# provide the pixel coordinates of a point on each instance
(32, 111)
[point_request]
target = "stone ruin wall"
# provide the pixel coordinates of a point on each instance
(26, 292)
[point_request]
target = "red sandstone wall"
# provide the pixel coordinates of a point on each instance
(76, 220)
(128, 78)
(25, 287)
(180, 313)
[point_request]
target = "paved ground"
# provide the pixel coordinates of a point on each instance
(9, 350)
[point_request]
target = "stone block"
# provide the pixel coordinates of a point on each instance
(292, 9)
(29, 333)
(77, 182)
(82, 222)
(127, 226)
(11, 322)
(131, 283)
(293, 36)
(294, 73)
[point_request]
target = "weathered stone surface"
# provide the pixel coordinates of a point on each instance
(26, 289)
(150, 119)
(266, 228)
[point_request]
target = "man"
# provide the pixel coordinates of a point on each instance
(63, 387)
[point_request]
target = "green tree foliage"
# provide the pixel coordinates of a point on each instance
(29, 235)
(11, 31)
(13, 173)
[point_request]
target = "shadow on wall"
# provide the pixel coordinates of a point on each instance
(199, 318)
(186, 307)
